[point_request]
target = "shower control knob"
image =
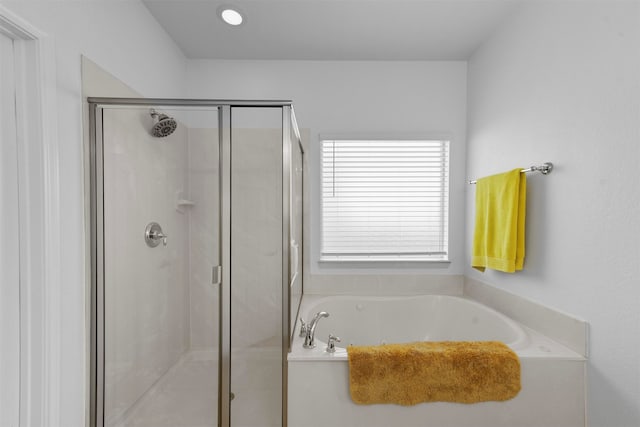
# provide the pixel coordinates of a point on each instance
(153, 234)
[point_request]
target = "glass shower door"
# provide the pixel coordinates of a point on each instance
(160, 246)
(256, 267)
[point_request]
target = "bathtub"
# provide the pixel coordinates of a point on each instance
(318, 381)
(373, 320)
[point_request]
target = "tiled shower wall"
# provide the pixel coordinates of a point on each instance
(256, 237)
(203, 236)
(146, 297)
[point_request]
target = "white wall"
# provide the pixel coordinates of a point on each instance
(362, 97)
(123, 38)
(560, 82)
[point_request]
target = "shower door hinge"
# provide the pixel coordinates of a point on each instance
(216, 274)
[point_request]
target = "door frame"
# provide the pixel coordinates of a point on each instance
(40, 226)
(9, 230)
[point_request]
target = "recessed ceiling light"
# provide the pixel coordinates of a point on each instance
(231, 16)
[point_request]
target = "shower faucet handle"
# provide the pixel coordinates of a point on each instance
(157, 235)
(153, 234)
(163, 237)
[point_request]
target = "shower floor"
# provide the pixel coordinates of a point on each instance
(187, 395)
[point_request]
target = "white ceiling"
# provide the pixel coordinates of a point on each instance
(332, 29)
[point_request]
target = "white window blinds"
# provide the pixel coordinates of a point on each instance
(385, 200)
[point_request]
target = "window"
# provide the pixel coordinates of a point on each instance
(385, 200)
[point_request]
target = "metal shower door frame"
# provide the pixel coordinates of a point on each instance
(96, 255)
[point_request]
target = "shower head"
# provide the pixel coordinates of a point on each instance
(163, 125)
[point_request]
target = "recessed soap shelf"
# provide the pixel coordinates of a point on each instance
(182, 204)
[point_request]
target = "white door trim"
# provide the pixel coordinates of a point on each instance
(40, 227)
(9, 243)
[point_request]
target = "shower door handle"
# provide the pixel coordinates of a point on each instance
(216, 275)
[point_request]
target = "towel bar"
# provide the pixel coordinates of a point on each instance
(545, 169)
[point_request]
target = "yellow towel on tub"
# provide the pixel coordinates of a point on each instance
(498, 238)
(407, 374)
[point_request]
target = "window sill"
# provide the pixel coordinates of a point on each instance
(381, 263)
(439, 258)
(342, 260)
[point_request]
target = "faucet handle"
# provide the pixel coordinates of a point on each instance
(303, 328)
(331, 343)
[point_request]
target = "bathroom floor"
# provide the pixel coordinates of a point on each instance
(186, 396)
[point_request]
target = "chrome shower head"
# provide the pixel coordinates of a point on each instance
(163, 125)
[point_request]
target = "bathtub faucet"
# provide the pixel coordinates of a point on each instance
(309, 339)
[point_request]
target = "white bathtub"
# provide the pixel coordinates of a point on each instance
(368, 320)
(318, 382)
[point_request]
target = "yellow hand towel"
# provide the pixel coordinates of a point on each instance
(498, 239)
(408, 374)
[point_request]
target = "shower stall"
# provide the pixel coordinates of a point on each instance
(196, 260)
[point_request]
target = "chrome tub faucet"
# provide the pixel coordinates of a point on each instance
(309, 339)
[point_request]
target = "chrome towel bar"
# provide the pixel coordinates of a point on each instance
(545, 169)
